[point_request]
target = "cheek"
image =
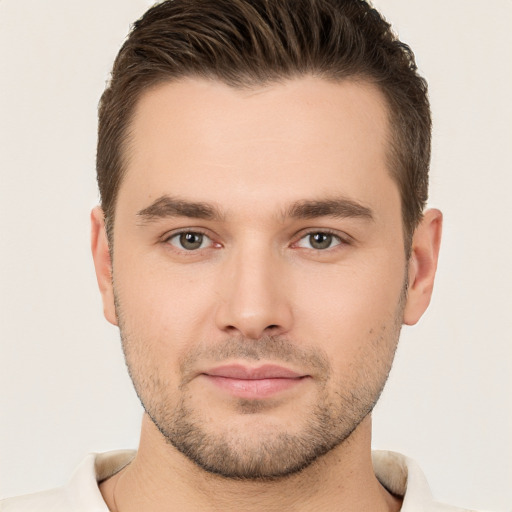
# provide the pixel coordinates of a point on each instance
(163, 306)
(348, 307)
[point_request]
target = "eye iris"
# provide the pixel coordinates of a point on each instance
(191, 241)
(320, 240)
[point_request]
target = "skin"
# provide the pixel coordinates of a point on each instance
(258, 290)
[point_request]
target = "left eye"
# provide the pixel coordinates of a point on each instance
(319, 241)
(190, 240)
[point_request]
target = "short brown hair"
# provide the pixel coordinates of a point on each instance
(258, 42)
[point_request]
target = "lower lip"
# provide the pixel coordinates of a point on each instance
(254, 389)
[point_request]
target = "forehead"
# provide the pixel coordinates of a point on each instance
(207, 141)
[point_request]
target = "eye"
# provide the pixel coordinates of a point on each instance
(319, 240)
(189, 240)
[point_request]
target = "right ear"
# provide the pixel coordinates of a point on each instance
(103, 263)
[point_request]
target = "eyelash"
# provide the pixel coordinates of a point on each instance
(167, 239)
(341, 241)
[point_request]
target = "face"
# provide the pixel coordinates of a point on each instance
(258, 268)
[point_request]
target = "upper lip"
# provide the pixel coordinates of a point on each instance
(267, 371)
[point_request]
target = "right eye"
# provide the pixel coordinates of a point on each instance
(190, 241)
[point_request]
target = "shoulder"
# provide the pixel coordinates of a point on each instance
(441, 507)
(53, 500)
(403, 477)
(81, 494)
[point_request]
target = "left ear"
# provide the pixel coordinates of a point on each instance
(422, 265)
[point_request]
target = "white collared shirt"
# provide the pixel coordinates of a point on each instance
(397, 473)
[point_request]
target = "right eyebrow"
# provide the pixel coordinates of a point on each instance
(167, 206)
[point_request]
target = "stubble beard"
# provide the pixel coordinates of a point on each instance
(270, 453)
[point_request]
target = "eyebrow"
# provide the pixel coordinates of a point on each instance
(338, 208)
(167, 206)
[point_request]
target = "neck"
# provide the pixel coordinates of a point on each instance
(161, 478)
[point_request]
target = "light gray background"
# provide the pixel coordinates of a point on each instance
(64, 389)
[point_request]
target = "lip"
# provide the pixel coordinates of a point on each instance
(253, 383)
(267, 371)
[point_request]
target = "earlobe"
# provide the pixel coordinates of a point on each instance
(102, 263)
(422, 265)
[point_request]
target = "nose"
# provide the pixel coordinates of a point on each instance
(254, 295)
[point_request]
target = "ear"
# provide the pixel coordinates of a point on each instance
(102, 263)
(422, 265)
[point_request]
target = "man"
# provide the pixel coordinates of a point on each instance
(261, 239)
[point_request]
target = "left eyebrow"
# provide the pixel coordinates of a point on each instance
(338, 208)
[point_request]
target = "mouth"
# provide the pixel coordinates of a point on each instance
(253, 383)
